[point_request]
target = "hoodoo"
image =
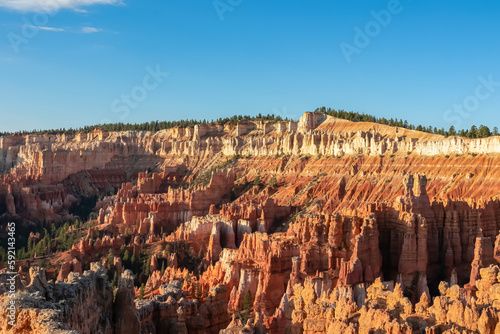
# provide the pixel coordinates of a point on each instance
(320, 225)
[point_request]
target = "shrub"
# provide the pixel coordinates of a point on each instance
(273, 182)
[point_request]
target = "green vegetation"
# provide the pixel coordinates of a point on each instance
(482, 132)
(3, 254)
(146, 265)
(141, 291)
(197, 292)
(83, 208)
(279, 155)
(247, 306)
(162, 270)
(203, 178)
(114, 283)
(187, 279)
(273, 182)
(139, 264)
(153, 125)
(256, 181)
(474, 132)
(58, 239)
(110, 258)
(126, 256)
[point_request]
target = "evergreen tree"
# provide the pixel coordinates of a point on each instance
(473, 132)
(122, 250)
(3, 254)
(247, 306)
(114, 283)
(197, 293)
(110, 258)
(452, 131)
(141, 291)
(162, 125)
(126, 256)
(187, 279)
(162, 271)
(147, 265)
(484, 131)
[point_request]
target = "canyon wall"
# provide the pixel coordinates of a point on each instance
(328, 225)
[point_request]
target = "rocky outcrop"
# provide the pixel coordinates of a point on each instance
(133, 211)
(83, 304)
(310, 217)
(208, 234)
(67, 267)
(124, 312)
(386, 309)
(170, 311)
(483, 257)
(100, 161)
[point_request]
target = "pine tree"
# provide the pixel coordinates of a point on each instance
(484, 131)
(110, 258)
(126, 256)
(187, 278)
(247, 306)
(141, 291)
(452, 131)
(147, 265)
(162, 271)
(132, 263)
(114, 283)
(197, 293)
(30, 245)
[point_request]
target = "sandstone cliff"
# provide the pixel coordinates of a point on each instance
(330, 225)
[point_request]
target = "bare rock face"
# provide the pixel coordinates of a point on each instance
(310, 121)
(43, 172)
(124, 311)
(333, 226)
(365, 262)
(69, 266)
(171, 312)
(83, 305)
(38, 281)
(385, 308)
(483, 257)
(209, 234)
(7, 280)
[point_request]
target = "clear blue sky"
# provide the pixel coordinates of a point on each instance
(281, 56)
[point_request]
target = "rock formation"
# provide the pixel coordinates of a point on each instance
(83, 304)
(328, 225)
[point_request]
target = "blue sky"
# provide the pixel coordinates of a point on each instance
(229, 57)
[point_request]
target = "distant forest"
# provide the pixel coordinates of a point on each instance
(152, 126)
(474, 132)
